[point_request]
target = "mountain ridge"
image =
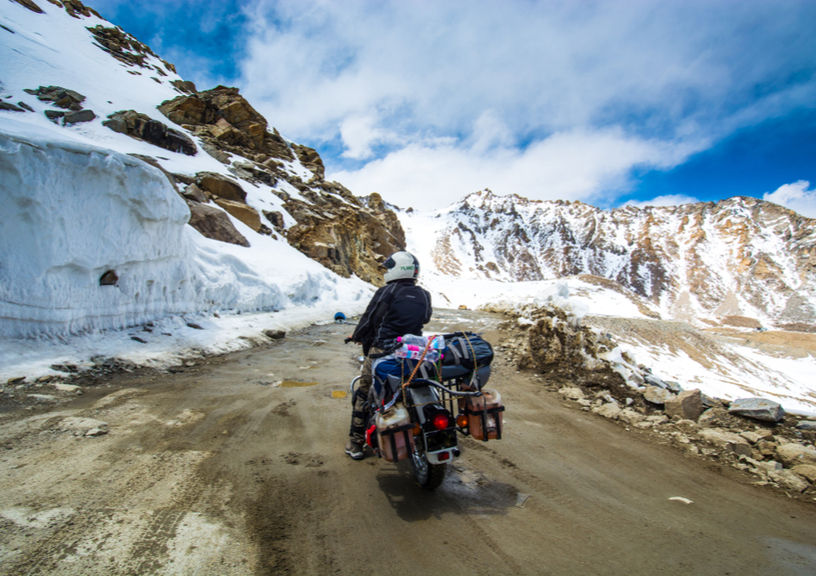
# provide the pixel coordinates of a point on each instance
(737, 257)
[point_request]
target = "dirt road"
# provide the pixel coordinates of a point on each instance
(235, 466)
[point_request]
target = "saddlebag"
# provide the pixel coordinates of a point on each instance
(395, 435)
(484, 415)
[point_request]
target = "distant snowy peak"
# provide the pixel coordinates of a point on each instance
(738, 257)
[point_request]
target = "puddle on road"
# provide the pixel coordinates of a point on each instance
(296, 384)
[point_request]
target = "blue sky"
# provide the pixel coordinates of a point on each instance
(606, 102)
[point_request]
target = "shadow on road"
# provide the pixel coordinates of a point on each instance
(462, 493)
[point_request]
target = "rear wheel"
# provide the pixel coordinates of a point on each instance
(427, 476)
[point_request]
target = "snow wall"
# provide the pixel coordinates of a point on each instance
(74, 213)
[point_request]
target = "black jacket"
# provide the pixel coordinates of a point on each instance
(400, 307)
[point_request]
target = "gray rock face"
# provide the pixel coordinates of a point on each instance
(143, 127)
(59, 96)
(757, 409)
(79, 116)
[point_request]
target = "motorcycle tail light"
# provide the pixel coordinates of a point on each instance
(462, 421)
(440, 421)
(443, 456)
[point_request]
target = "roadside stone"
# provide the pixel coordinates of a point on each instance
(807, 471)
(15, 381)
(788, 480)
(609, 410)
(572, 393)
(630, 416)
(760, 409)
(657, 396)
(68, 388)
(767, 448)
(82, 426)
(93, 432)
(752, 437)
(726, 440)
(605, 397)
(657, 419)
(806, 425)
(275, 334)
(793, 454)
(771, 465)
(687, 405)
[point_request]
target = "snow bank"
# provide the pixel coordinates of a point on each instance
(75, 213)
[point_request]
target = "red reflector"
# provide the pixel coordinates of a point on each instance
(443, 456)
(441, 421)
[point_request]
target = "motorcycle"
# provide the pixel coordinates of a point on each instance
(425, 392)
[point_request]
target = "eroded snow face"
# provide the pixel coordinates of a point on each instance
(92, 239)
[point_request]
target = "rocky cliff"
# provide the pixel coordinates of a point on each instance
(738, 258)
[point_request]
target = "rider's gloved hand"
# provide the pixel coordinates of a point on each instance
(347, 340)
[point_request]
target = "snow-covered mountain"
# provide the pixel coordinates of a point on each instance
(106, 155)
(740, 257)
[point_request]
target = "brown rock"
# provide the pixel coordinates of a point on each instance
(794, 453)
(193, 192)
(657, 396)
(807, 471)
(726, 440)
(275, 218)
(214, 223)
(31, 5)
(243, 212)
(220, 186)
(687, 405)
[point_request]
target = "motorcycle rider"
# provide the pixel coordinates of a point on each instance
(400, 307)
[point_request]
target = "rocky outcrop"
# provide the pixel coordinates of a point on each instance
(224, 119)
(345, 236)
(128, 50)
(58, 96)
(143, 127)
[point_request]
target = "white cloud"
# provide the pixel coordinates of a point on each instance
(572, 165)
(511, 79)
(359, 134)
(795, 196)
(667, 200)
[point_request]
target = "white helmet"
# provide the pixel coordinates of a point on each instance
(401, 265)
